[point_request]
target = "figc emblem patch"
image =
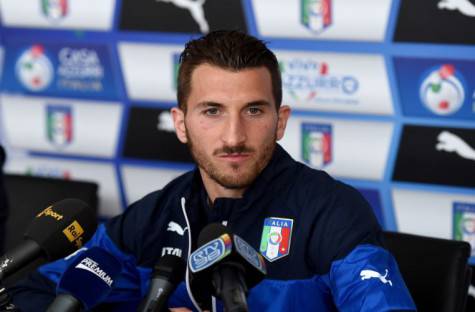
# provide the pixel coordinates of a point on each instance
(275, 240)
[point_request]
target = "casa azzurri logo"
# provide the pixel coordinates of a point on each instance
(442, 90)
(34, 69)
(62, 70)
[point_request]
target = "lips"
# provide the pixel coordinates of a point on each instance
(235, 157)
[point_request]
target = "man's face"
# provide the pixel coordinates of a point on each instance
(231, 124)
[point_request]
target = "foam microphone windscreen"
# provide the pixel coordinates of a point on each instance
(210, 232)
(62, 228)
(170, 268)
(90, 276)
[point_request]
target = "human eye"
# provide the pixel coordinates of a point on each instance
(211, 111)
(254, 110)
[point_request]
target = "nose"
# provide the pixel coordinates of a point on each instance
(234, 132)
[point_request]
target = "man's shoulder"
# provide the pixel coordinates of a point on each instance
(305, 178)
(141, 224)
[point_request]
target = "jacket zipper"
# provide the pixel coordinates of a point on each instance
(187, 275)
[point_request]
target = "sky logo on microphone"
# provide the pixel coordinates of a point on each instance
(247, 252)
(210, 253)
(90, 265)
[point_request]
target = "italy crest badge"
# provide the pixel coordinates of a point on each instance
(275, 240)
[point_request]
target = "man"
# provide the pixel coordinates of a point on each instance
(320, 238)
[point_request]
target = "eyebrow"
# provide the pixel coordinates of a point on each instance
(258, 103)
(207, 104)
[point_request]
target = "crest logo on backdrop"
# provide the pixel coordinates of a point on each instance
(317, 144)
(59, 124)
(316, 15)
(54, 10)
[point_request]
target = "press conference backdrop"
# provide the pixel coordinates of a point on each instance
(382, 95)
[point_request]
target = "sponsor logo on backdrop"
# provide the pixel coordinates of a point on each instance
(54, 10)
(436, 88)
(445, 21)
(196, 10)
(187, 16)
(464, 223)
(463, 6)
(59, 125)
(442, 91)
(317, 144)
(59, 14)
(165, 122)
(80, 70)
(60, 70)
(276, 238)
(436, 156)
(34, 68)
(316, 15)
(452, 143)
(322, 19)
(151, 135)
(312, 81)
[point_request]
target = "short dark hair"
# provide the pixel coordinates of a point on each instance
(226, 49)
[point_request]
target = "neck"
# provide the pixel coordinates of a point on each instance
(215, 190)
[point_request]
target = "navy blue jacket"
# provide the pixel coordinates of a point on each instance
(319, 236)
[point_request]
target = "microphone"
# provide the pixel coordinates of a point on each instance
(224, 266)
(86, 282)
(55, 232)
(166, 276)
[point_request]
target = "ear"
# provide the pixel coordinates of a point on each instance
(284, 114)
(179, 122)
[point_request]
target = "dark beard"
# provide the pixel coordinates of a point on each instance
(232, 181)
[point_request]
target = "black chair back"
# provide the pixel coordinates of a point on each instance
(28, 195)
(436, 271)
